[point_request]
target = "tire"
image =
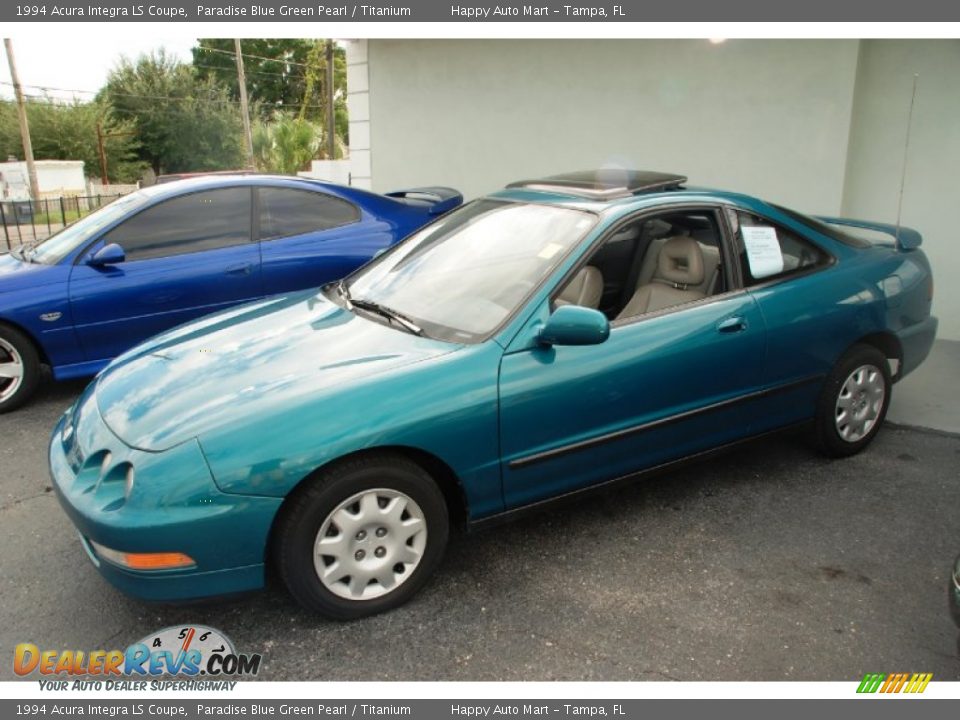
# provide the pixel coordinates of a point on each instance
(19, 368)
(375, 527)
(853, 402)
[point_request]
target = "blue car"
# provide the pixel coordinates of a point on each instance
(174, 252)
(549, 339)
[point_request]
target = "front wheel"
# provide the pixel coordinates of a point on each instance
(19, 368)
(853, 402)
(362, 537)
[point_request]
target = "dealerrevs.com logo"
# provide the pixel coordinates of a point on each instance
(182, 651)
(887, 683)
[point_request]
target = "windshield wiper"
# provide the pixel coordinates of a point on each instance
(23, 250)
(344, 292)
(384, 311)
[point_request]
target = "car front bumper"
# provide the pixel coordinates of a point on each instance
(170, 505)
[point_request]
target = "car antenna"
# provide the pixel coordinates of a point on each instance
(906, 147)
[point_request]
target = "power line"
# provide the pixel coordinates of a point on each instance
(145, 97)
(252, 57)
(249, 72)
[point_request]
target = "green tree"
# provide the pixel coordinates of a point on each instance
(68, 131)
(282, 75)
(184, 123)
(285, 144)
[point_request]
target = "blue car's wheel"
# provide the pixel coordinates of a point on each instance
(362, 537)
(853, 402)
(19, 368)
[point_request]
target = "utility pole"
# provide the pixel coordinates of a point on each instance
(331, 115)
(103, 155)
(24, 125)
(242, 81)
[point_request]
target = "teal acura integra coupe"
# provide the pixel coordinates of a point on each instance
(551, 338)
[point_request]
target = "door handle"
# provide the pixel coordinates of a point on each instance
(732, 325)
(240, 269)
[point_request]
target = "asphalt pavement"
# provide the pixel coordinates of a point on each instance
(768, 563)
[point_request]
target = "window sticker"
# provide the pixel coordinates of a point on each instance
(549, 250)
(763, 251)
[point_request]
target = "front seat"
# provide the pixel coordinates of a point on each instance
(586, 289)
(679, 267)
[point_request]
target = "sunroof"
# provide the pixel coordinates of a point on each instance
(605, 183)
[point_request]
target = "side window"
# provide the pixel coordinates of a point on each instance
(651, 264)
(192, 223)
(768, 251)
(285, 212)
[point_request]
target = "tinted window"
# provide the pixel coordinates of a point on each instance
(832, 231)
(187, 224)
(769, 251)
(285, 212)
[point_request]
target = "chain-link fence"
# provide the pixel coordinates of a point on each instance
(27, 221)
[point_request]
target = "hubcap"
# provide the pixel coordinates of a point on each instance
(11, 370)
(370, 544)
(859, 403)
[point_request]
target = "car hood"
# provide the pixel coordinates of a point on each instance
(17, 275)
(258, 358)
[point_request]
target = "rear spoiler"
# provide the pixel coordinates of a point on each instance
(438, 199)
(905, 238)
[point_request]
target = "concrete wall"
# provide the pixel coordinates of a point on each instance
(931, 197)
(765, 117)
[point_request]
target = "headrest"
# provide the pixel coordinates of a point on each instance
(681, 261)
(628, 233)
(586, 288)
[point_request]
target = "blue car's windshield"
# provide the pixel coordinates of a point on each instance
(57, 247)
(459, 278)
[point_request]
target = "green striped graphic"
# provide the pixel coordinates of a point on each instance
(871, 683)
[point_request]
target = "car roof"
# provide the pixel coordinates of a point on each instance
(613, 189)
(206, 182)
(605, 183)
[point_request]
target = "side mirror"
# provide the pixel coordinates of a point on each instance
(108, 255)
(575, 325)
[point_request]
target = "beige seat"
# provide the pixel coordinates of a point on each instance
(586, 289)
(711, 266)
(678, 275)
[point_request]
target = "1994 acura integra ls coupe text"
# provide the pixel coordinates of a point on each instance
(553, 337)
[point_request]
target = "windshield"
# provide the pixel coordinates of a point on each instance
(58, 246)
(461, 277)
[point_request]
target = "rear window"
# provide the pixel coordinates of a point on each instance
(286, 212)
(831, 231)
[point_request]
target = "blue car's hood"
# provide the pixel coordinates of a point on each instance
(17, 275)
(252, 359)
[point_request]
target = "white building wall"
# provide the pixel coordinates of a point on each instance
(764, 117)
(931, 197)
(358, 105)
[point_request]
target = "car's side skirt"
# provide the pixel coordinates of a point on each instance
(539, 505)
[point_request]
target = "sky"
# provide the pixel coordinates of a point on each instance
(79, 64)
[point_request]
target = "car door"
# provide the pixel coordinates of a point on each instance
(664, 385)
(308, 238)
(809, 322)
(185, 257)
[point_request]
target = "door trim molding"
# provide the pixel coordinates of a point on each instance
(545, 455)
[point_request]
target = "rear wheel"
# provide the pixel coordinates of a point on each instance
(362, 537)
(19, 368)
(853, 402)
